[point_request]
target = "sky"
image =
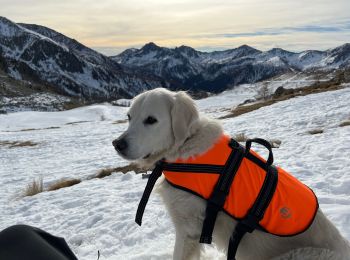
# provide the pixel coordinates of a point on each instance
(113, 26)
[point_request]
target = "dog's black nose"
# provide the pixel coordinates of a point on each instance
(120, 145)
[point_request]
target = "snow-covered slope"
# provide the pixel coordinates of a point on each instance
(40, 54)
(220, 70)
(71, 44)
(98, 214)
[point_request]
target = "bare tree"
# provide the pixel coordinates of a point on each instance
(263, 92)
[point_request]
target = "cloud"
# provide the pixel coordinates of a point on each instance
(341, 27)
(115, 25)
(247, 34)
(314, 28)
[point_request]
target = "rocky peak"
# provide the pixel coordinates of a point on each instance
(149, 47)
(279, 52)
(187, 50)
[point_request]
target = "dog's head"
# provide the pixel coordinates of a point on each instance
(159, 120)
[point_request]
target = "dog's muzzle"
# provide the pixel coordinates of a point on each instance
(120, 145)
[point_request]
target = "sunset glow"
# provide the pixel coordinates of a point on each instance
(112, 26)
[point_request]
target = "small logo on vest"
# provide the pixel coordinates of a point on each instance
(285, 212)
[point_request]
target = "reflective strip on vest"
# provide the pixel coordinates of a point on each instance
(293, 205)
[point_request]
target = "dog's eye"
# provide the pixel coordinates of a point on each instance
(129, 117)
(150, 120)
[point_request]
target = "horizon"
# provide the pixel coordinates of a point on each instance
(204, 25)
(208, 49)
(234, 47)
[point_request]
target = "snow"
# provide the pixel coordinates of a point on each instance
(294, 80)
(222, 103)
(98, 214)
(42, 37)
(36, 102)
(123, 102)
(31, 119)
(14, 73)
(86, 77)
(7, 28)
(308, 58)
(145, 59)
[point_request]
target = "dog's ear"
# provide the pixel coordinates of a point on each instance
(183, 114)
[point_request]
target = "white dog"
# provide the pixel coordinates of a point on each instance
(165, 124)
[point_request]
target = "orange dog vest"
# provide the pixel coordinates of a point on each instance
(248, 188)
(292, 207)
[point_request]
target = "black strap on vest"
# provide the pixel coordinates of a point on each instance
(174, 167)
(156, 173)
(256, 213)
(251, 221)
(218, 197)
(197, 168)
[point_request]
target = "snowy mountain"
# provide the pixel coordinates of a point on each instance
(41, 55)
(191, 69)
(219, 70)
(37, 53)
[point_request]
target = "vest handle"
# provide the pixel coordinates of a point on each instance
(264, 143)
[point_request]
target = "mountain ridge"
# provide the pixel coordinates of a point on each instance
(38, 53)
(218, 70)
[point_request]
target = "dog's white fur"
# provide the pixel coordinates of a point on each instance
(180, 132)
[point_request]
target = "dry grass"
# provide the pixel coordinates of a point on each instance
(275, 143)
(64, 183)
(34, 129)
(241, 137)
(344, 123)
(77, 122)
(35, 187)
(73, 104)
(27, 129)
(124, 169)
(14, 144)
(240, 110)
(104, 173)
(6, 143)
(120, 122)
(315, 131)
(291, 93)
(23, 144)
